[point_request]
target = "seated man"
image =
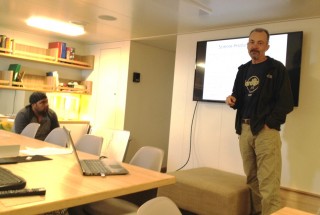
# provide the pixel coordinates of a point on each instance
(37, 111)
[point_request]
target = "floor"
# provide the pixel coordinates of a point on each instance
(298, 200)
(302, 201)
(305, 202)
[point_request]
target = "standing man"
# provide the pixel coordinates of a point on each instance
(37, 111)
(262, 97)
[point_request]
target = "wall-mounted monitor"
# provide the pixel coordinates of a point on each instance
(217, 63)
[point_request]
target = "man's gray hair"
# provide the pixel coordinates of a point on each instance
(261, 30)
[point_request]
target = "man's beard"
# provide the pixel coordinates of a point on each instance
(254, 54)
(43, 113)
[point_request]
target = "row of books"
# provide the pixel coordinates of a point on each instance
(6, 42)
(63, 51)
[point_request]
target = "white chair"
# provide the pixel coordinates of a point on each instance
(30, 130)
(148, 157)
(159, 206)
(57, 136)
(116, 144)
(90, 143)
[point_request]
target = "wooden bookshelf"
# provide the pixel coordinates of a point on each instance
(41, 83)
(45, 56)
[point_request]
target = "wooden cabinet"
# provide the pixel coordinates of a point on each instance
(43, 56)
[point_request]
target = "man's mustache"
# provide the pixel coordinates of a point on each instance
(254, 50)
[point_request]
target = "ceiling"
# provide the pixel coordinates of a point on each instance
(156, 21)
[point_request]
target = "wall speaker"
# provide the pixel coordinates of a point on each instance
(136, 77)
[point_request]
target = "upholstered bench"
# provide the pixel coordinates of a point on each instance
(209, 191)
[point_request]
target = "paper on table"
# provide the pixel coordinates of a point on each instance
(46, 151)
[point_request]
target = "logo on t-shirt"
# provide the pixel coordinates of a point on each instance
(252, 84)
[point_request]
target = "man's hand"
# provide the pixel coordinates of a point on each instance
(266, 127)
(231, 101)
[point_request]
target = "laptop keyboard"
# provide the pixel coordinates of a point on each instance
(94, 166)
(10, 181)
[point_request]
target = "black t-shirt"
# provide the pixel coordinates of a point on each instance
(254, 80)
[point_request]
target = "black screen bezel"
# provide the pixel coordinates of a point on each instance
(293, 65)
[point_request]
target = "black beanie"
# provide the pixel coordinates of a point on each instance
(37, 96)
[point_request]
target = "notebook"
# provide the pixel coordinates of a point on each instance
(9, 150)
(9, 153)
(96, 167)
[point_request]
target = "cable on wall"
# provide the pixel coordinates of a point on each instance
(190, 140)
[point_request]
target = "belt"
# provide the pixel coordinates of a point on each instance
(246, 121)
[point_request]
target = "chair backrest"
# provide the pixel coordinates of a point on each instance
(57, 136)
(116, 144)
(148, 157)
(159, 206)
(30, 130)
(90, 143)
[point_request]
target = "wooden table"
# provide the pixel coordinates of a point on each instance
(290, 211)
(65, 184)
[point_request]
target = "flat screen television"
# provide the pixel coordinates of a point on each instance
(217, 63)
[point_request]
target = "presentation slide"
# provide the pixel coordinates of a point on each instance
(223, 57)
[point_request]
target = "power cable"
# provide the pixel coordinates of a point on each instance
(190, 141)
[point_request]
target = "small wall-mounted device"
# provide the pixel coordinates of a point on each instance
(136, 77)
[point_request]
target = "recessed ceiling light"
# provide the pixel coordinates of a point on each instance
(107, 17)
(56, 26)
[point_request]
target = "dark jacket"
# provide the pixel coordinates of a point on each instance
(275, 100)
(25, 115)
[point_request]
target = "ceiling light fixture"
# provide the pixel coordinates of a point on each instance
(56, 26)
(202, 6)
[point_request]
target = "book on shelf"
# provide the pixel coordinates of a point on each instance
(16, 69)
(6, 42)
(70, 53)
(3, 41)
(20, 76)
(62, 48)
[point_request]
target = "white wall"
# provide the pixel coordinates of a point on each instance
(149, 102)
(106, 106)
(214, 142)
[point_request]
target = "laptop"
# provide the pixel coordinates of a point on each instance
(96, 167)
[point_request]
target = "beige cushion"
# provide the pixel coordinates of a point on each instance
(209, 191)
